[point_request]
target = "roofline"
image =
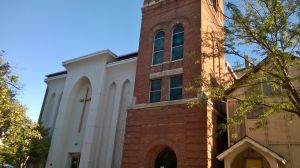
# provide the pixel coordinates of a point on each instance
(55, 77)
(252, 70)
(121, 58)
(107, 51)
(231, 70)
(128, 54)
(56, 74)
(129, 60)
(255, 144)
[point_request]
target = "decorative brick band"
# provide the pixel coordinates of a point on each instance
(166, 73)
(163, 103)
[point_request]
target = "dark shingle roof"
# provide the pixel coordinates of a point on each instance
(127, 56)
(56, 74)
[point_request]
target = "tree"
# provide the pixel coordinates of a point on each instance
(8, 84)
(269, 32)
(20, 138)
(39, 146)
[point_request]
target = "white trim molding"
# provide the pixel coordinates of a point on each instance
(107, 51)
(251, 142)
(125, 61)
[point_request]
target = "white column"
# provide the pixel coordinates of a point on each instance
(87, 145)
(113, 126)
(97, 82)
(57, 155)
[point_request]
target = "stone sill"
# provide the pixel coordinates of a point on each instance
(152, 3)
(171, 72)
(160, 104)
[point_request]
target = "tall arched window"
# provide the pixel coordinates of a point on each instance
(177, 42)
(159, 45)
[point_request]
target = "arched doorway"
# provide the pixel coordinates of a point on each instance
(166, 159)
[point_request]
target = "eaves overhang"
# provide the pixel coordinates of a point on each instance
(95, 54)
(251, 142)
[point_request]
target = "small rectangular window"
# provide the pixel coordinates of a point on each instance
(176, 88)
(155, 90)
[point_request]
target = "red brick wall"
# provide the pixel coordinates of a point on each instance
(149, 130)
(165, 17)
(183, 129)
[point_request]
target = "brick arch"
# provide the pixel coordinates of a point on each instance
(185, 22)
(167, 27)
(154, 148)
(163, 26)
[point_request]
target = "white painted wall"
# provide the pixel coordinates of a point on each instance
(55, 90)
(101, 140)
(119, 75)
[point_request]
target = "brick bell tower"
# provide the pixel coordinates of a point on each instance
(161, 131)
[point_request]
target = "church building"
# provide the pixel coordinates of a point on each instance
(161, 130)
(130, 111)
(85, 110)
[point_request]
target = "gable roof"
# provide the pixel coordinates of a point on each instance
(107, 51)
(252, 142)
(117, 58)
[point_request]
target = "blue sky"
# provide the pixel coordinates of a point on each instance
(38, 35)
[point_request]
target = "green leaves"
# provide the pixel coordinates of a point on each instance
(21, 139)
(269, 32)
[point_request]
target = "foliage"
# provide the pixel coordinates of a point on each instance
(8, 83)
(20, 138)
(268, 31)
(39, 146)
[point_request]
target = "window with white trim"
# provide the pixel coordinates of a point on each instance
(176, 87)
(155, 90)
(158, 49)
(177, 42)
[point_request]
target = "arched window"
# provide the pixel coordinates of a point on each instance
(177, 42)
(159, 45)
